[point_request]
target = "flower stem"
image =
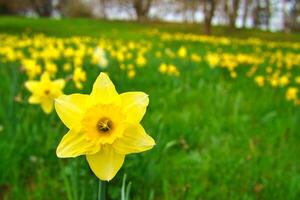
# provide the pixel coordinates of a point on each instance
(102, 190)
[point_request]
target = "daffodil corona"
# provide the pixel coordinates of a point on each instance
(104, 126)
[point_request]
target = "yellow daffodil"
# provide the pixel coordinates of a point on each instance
(284, 80)
(51, 68)
(131, 73)
(163, 68)
(172, 70)
(297, 79)
(67, 67)
(104, 126)
(141, 61)
(195, 57)
(260, 81)
(79, 76)
(45, 91)
(291, 94)
(212, 59)
(182, 52)
(32, 68)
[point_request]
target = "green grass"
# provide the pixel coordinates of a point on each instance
(93, 27)
(217, 138)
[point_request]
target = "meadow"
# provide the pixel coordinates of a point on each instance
(224, 109)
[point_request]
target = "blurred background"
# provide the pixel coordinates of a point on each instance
(223, 78)
(274, 15)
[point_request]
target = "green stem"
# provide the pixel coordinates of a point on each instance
(102, 190)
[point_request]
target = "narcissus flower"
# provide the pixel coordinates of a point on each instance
(182, 52)
(291, 94)
(45, 91)
(79, 76)
(104, 126)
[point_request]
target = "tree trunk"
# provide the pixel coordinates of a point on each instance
(233, 13)
(245, 13)
(43, 8)
(268, 13)
(209, 10)
(142, 8)
(103, 8)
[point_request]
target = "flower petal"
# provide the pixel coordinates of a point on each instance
(75, 144)
(60, 84)
(45, 77)
(47, 106)
(32, 86)
(134, 105)
(34, 99)
(134, 140)
(104, 91)
(106, 163)
(71, 108)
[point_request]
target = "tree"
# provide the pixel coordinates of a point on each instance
(293, 16)
(103, 4)
(231, 8)
(13, 7)
(247, 3)
(262, 14)
(43, 8)
(142, 8)
(209, 7)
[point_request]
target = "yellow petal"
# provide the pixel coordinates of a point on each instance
(34, 99)
(60, 83)
(134, 140)
(75, 144)
(32, 86)
(134, 105)
(104, 91)
(71, 108)
(106, 163)
(47, 106)
(45, 78)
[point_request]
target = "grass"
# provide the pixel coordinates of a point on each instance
(94, 27)
(217, 138)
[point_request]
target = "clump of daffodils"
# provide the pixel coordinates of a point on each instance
(168, 69)
(79, 76)
(104, 126)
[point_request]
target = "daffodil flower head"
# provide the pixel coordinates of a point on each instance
(104, 126)
(45, 91)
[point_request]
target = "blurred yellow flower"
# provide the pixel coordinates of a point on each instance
(51, 68)
(32, 68)
(260, 81)
(172, 70)
(141, 61)
(297, 79)
(195, 57)
(131, 73)
(291, 94)
(45, 91)
(67, 67)
(104, 126)
(233, 74)
(79, 76)
(163, 68)
(284, 80)
(212, 59)
(182, 52)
